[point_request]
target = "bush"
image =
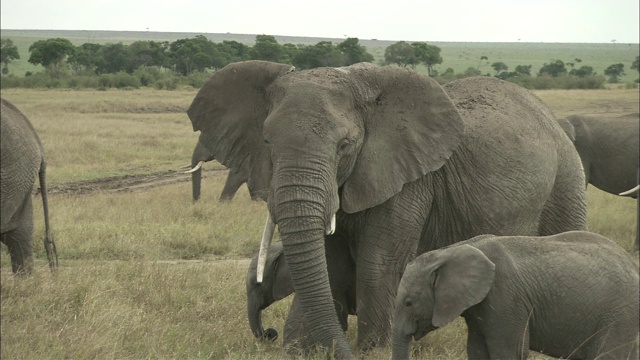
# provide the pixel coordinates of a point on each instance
(168, 83)
(148, 75)
(119, 80)
(566, 82)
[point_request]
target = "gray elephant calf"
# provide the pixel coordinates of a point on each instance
(277, 284)
(21, 161)
(572, 295)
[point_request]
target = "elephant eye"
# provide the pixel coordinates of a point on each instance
(343, 145)
(408, 302)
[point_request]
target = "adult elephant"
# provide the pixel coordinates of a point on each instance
(609, 148)
(384, 158)
(235, 178)
(21, 161)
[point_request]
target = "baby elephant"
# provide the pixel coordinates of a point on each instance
(277, 284)
(572, 295)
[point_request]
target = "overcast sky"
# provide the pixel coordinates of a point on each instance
(599, 21)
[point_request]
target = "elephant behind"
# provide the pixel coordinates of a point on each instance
(21, 161)
(572, 295)
(609, 148)
(390, 163)
(236, 177)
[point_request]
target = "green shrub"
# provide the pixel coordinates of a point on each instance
(148, 75)
(168, 83)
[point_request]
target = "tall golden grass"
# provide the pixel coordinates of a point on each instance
(141, 275)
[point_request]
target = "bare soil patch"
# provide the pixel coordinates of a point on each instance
(127, 182)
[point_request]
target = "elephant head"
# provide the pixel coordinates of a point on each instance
(235, 178)
(324, 140)
(199, 157)
(275, 285)
(436, 288)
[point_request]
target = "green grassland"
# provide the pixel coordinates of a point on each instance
(148, 273)
(456, 55)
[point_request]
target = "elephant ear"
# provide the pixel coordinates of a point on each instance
(282, 282)
(229, 111)
(463, 280)
(411, 128)
(568, 129)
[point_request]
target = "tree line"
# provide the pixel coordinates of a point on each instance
(191, 60)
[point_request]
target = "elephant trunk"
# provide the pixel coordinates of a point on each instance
(401, 346)
(254, 312)
(300, 204)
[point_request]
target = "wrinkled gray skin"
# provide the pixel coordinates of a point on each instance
(277, 284)
(609, 148)
(22, 160)
(235, 178)
(399, 159)
(572, 295)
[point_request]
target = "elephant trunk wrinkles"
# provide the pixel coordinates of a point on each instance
(300, 210)
(254, 312)
(401, 346)
(255, 318)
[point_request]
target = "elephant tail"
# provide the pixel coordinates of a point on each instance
(49, 244)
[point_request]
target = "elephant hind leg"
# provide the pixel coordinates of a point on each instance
(566, 208)
(20, 241)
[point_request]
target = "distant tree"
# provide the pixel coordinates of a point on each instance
(614, 72)
(401, 54)
(523, 69)
(321, 54)
(147, 53)
(87, 57)
(51, 54)
(483, 57)
(553, 69)
(115, 58)
(429, 55)
(194, 54)
(230, 51)
(8, 53)
(583, 71)
(267, 48)
(354, 52)
(634, 64)
(499, 67)
(472, 72)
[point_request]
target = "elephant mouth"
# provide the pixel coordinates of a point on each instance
(267, 237)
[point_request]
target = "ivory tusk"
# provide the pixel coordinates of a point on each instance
(332, 226)
(195, 168)
(629, 192)
(265, 244)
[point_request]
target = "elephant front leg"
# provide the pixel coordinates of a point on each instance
(388, 244)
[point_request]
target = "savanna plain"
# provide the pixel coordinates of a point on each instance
(147, 273)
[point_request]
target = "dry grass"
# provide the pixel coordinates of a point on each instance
(138, 277)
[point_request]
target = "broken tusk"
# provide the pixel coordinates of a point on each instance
(629, 192)
(265, 244)
(195, 168)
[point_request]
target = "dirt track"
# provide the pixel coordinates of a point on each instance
(127, 182)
